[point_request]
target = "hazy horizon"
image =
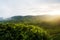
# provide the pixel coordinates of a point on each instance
(10, 8)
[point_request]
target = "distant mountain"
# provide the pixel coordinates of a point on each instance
(32, 19)
(28, 18)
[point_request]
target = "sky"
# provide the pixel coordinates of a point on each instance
(10, 8)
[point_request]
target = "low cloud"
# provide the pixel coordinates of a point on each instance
(29, 7)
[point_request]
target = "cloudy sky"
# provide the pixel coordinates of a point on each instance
(10, 8)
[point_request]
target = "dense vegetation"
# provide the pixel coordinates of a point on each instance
(22, 32)
(49, 30)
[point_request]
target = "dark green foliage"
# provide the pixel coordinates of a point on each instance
(22, 32)
(56, 37)
(18, 24)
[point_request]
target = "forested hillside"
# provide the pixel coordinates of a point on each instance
(22, 32)
(42, 27)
